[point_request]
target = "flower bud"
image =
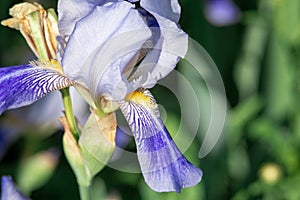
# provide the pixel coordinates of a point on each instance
(74, 155)
(37, 170)
(94, 148)
(38, 26)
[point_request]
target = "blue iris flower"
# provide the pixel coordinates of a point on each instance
(221, 12)
(111, 51)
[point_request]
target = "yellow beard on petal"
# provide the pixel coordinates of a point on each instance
(51, 64)
(143, 97)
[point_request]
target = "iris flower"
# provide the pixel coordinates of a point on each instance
(221, 12)
(112, 52)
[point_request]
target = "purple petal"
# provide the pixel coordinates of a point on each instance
(169, 9)
(9, 190)
(163, 165)
(22, 85)
(122, 138)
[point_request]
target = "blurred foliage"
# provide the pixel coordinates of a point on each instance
(257, 156)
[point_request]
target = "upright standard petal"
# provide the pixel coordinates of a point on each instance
(163, 165)
(22, 85)
(71, 11)
(9, 191)
(101, 46)
(170, 44)
(169, 9)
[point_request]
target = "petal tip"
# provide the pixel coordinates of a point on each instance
(178, 175)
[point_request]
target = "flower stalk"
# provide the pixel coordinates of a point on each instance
(69, 112)
(85, 192)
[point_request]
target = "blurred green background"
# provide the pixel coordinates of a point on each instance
(257, 156)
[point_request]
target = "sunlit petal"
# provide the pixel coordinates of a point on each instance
(101, 46)
(71, 11)
(163, 165)
(22, 85)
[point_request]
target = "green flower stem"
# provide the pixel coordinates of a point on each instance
(69, 112)
(85, 193)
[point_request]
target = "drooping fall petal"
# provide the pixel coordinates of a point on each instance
(25, 84)
(163, 166)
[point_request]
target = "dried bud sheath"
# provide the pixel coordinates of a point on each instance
(38, 26)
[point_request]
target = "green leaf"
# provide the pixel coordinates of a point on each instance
(279, 84)
(286, 21)
(248, 64)
(278, 140)
(241, 115)
(290, 187)
(238, 162)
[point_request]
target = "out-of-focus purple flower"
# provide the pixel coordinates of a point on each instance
(9, 191)
(221, 12)
(8, 134)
